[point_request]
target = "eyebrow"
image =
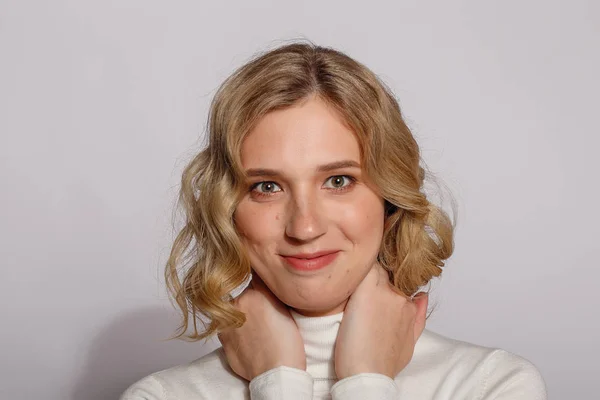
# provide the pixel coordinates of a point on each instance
(321, 168)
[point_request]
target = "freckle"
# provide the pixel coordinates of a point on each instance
(329, 277)
(347, 271)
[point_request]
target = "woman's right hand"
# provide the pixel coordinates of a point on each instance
(268, 339)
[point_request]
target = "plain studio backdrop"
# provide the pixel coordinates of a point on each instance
(103, 102)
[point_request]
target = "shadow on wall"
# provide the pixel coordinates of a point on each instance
(130, 348)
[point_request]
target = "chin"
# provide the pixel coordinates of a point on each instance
(317, 308)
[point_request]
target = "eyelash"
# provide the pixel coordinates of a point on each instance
(338, 190)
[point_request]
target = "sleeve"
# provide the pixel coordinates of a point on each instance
(511, 377)
(148, 388)
(365, 386)
(282, 383)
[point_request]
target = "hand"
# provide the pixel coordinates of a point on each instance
(269, 338)
(379, 329)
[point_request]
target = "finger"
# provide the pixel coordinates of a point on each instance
(372, 279)
(399, 292)
(366, 286)
(261, 286)
(239, 290)
(222, 338)
(421, 301)
(383, 277)
(257, 282)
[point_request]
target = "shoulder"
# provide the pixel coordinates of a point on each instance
(511, 375)
(482, 372)
(199, 379)
(448, 350)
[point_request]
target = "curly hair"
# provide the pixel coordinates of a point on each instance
(417, 238)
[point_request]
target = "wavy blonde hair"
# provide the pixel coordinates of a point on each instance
(417, 238)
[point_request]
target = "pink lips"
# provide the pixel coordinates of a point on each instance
(311, 262)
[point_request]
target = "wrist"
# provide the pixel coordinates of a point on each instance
(356, 370)
(273, 366)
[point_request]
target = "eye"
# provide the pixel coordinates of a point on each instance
(339, 180)
(267, 187)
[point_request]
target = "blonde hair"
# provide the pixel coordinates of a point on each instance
(417, 238)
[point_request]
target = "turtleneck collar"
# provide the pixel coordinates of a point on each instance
(319, 335)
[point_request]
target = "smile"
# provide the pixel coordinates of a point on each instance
(310, 264)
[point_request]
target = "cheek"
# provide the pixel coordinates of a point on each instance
(257, 226)
(362, 222)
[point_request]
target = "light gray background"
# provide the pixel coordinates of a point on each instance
(102, 103)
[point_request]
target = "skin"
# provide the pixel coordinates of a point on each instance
(303, 210)
(300, 210)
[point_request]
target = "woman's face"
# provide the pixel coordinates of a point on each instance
(299, 201)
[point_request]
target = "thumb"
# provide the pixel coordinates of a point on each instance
(421, 301)
(259, 285)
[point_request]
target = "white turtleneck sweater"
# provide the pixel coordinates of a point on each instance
(441, 368)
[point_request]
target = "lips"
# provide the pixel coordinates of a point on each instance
(311, 261)
(311, 255)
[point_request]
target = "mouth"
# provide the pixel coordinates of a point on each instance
(312, 262)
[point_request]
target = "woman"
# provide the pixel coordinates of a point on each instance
(310, 189)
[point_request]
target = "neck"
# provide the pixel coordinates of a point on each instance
(322, 313)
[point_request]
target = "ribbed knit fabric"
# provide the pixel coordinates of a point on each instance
(282, 383)
(440, 369)
(319, 336)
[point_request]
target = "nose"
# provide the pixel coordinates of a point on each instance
(306, 221)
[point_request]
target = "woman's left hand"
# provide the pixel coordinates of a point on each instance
(379, 329)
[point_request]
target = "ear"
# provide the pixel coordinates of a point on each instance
(421, 301)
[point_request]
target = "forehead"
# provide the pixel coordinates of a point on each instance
(299, 138)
